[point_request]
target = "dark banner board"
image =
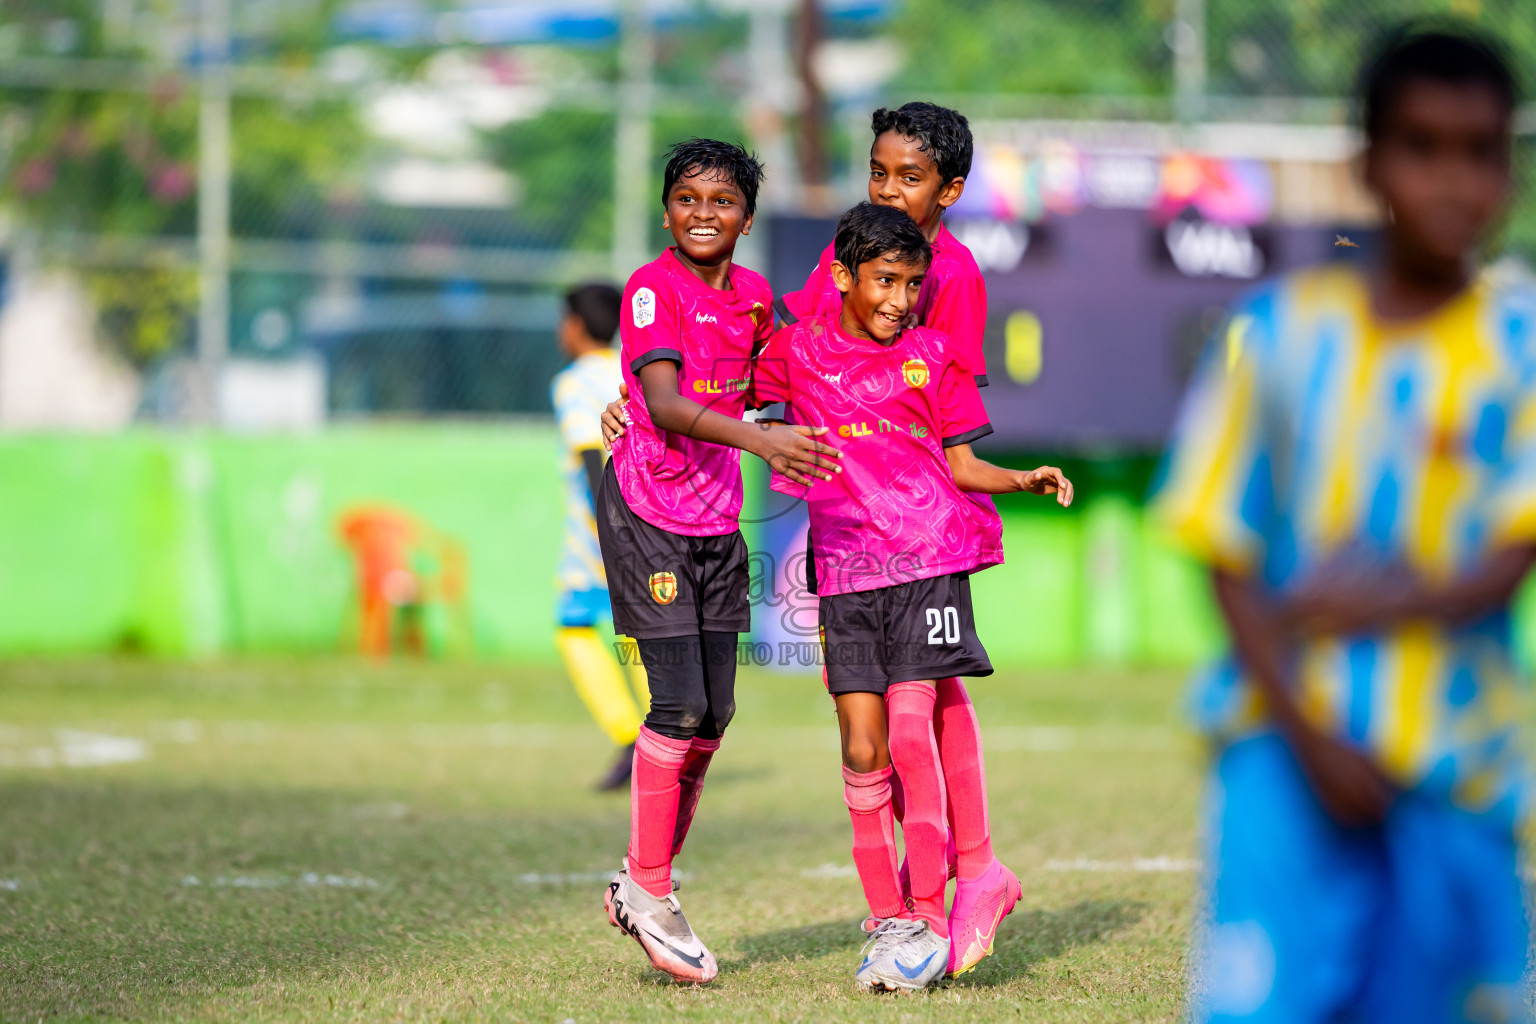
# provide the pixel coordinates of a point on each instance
(1094, 320)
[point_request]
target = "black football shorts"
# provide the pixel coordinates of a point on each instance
(664, 584)
(924, 629)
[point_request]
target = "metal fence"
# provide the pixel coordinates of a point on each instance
(376, 204)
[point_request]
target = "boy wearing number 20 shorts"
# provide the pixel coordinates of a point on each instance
(896, 540)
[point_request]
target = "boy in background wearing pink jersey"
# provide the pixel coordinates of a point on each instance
(897, 537)
(667, 511)
(918, 163)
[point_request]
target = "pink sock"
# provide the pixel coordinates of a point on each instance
(965, 776)
(690, 783)
(868, 796)
(898, 799)
(653, 795)
(915, 756)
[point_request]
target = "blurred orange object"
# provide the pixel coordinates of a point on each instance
(404, 567)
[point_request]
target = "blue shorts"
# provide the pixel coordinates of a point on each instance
(1421, 919)
(576, 608)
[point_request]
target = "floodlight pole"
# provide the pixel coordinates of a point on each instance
(213, 175)
(632, 138)
(1188, 42)
(771, 96)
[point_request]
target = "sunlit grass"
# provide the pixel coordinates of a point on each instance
(334, 840)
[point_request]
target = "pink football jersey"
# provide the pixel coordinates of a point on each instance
(953, 300)
(894, 513)
(673, 482)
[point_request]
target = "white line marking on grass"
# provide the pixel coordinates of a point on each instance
(337, 881)
(830, 870)
(310, 879)
(394, 810)
(10, 884)
(71, 748)
(1044, 739)
(78, 749)
(179, 730)
(1141, 864)
(583, 877)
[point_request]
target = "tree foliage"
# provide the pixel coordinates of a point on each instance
(1057, 47)
(86, 163)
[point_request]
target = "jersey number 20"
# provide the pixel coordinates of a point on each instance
(947, 622)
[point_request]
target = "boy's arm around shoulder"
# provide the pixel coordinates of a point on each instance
(790, 450)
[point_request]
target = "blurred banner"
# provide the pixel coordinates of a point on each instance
(1111, 255)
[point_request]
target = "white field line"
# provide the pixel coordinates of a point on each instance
(1033, 739)
(310, 879)
(830, 870)
(71, 748)
(10, 884)
(582, 877)
(1155, 865)
(75, 747)
(1044, 739)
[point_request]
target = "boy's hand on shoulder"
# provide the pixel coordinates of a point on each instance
(614, 418)
(794, 452)
(1048, 480)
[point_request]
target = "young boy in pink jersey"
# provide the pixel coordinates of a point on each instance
(897, 537)
(918, 163)
(667, 512)
(919, 160)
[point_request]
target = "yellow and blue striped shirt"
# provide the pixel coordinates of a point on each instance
(1314, 430)
(579, 393)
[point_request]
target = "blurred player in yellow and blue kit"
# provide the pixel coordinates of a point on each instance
(1356, 464)
(579, 393)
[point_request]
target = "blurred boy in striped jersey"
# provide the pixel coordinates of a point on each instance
(1356, 463)
(579, 393)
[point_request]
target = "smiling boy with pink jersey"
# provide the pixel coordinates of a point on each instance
(897, 537)
(667, 511)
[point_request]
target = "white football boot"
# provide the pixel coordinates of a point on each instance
(902, 955)
(658, 924)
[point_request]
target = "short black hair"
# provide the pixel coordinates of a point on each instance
(596, 304)
(944, 134)
(1436, 51)
(696, 156)
(868, 232)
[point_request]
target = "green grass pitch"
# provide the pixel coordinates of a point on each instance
(331, 840)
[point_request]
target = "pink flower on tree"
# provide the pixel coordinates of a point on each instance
(35, 176)
(172, 183)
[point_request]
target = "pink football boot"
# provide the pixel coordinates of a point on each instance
(980, 905)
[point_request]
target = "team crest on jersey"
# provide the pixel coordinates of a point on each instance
(915, 373)
(642, 307)
(757, 312)
(663, 587)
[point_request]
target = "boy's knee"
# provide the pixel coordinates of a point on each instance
(723, 715)
(679, 720)
(864, 755)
